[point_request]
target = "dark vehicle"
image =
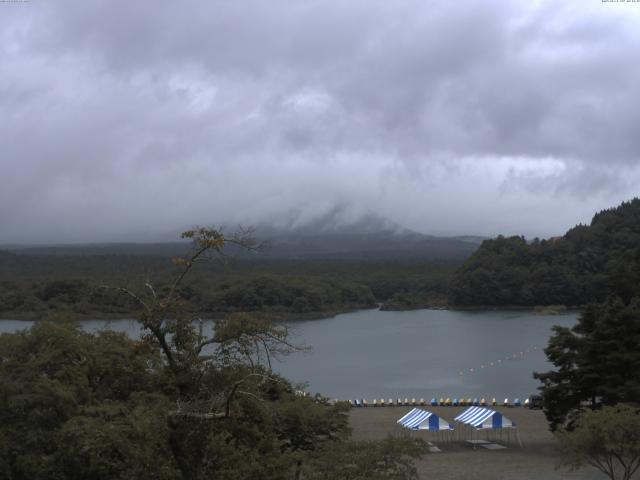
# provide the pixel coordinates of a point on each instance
(535, 401)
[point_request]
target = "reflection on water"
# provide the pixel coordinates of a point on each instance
(422, 353)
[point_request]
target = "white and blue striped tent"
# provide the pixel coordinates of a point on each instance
(418, 419)
(484, 418)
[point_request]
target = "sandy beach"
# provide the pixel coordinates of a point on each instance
(536, 460)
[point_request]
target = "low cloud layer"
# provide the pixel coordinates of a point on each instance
(130, 122)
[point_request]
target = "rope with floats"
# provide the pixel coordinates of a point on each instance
(513, 356)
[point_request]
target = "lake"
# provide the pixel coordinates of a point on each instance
(421, 353)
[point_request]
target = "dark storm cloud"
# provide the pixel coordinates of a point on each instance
(124, 121)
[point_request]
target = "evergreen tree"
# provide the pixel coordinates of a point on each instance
(597, 361)
(586, 265)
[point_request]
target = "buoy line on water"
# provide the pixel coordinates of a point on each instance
(435, 402)
(513, 356)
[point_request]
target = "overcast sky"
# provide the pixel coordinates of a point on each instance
(130, 120)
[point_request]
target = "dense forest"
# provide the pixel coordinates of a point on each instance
(586, 265)
(34, 286)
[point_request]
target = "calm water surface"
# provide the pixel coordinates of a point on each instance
(422, 353)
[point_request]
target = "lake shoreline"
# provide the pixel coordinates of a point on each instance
(426, 353)
(290, 316)
(276, 316)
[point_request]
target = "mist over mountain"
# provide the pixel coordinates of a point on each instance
(339, 233)
(338, 220)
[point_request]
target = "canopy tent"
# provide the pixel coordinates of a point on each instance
(418, 419)
(493, 423)
(484, 418)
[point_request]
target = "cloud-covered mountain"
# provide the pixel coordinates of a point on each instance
(339, 233)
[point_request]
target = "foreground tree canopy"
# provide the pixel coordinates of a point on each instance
(597, 362)
(607, 439)
(176, 404)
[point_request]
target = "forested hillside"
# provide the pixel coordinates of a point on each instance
(36, 286)
(585, 265)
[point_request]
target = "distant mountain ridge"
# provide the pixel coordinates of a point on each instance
(334, 235)
(167, 249)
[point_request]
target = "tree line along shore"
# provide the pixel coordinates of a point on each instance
(587, 264)
(82, 286)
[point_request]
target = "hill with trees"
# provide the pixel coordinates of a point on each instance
(587, 264)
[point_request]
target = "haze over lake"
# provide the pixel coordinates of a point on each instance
(420, 353)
